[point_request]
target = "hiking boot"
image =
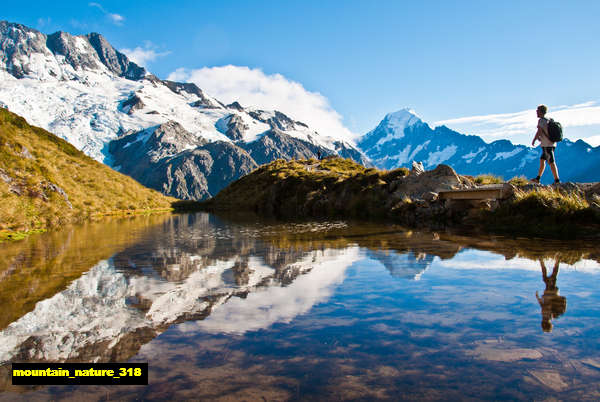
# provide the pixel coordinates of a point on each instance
(535, 180)
(556, 181)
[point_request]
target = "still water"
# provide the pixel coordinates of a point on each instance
(243, 309)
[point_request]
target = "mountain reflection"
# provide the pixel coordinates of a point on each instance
(204, 274)
(192, 269)
(406, 266)
(552, 304)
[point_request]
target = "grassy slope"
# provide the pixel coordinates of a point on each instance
(332, 187)
(34, 159)
(341, 188)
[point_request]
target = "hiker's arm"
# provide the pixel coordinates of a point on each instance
(536, 137)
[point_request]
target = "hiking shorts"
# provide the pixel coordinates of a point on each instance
(547, 154)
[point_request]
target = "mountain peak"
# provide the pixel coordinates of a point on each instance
(20, 49)
(401, 119)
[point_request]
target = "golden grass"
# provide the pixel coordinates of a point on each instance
(483, 179)
(330, 187)
(545, 212)
(28, 202)
(519, 181)
(551, 200)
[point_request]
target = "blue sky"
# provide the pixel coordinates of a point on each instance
(359, 60)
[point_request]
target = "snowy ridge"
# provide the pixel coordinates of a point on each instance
(95, 313)
(83, 90)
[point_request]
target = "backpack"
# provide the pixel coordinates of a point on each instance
(554, 131)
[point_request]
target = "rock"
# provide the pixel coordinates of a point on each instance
(235, 105)
(439, 179)
(570, 187)
(5, 177)
(592, 190)
(177, 163)
(66, 45)
(49, 186)
(275, 144)
(233, 127)
(16, 188)
(132, 104)
(278, 121)
(192, 89)
(595, 202)
(417, 168)
(508, 190)
(26, 154)
(430, 196)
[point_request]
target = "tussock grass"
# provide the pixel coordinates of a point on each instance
(519, 181)
(483, 179)
(546, 212)
(550, 200)
(330, 187)
(93, 189)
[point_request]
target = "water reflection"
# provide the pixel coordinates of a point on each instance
(553, 305)
(410, 265)
(301, 310)
(40, 266)
(188, 271)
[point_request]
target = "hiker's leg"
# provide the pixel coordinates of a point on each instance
(554, 170)
(544, 270)
(542, 167)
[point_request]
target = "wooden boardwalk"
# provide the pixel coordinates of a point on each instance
(487, 192)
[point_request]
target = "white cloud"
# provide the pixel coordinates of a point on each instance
(143, 55)
(116, 19)
(581, 121)
(252, 87)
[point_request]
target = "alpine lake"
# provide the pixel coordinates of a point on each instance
(225, 308)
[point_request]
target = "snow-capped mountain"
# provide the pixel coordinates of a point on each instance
(402, 137)
(83, 90)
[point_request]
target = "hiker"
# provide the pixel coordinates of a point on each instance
(553, 305)
(547, 145)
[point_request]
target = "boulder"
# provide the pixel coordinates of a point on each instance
(442, 178)
(417, 168)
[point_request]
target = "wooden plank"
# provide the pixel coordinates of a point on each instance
(475, 194)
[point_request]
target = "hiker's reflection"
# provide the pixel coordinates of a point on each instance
(553, 305)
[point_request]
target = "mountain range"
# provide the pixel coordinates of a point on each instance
(402, 137)
(175, 138)
(169, 136)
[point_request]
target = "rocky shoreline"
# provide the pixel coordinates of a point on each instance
(339, 188)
